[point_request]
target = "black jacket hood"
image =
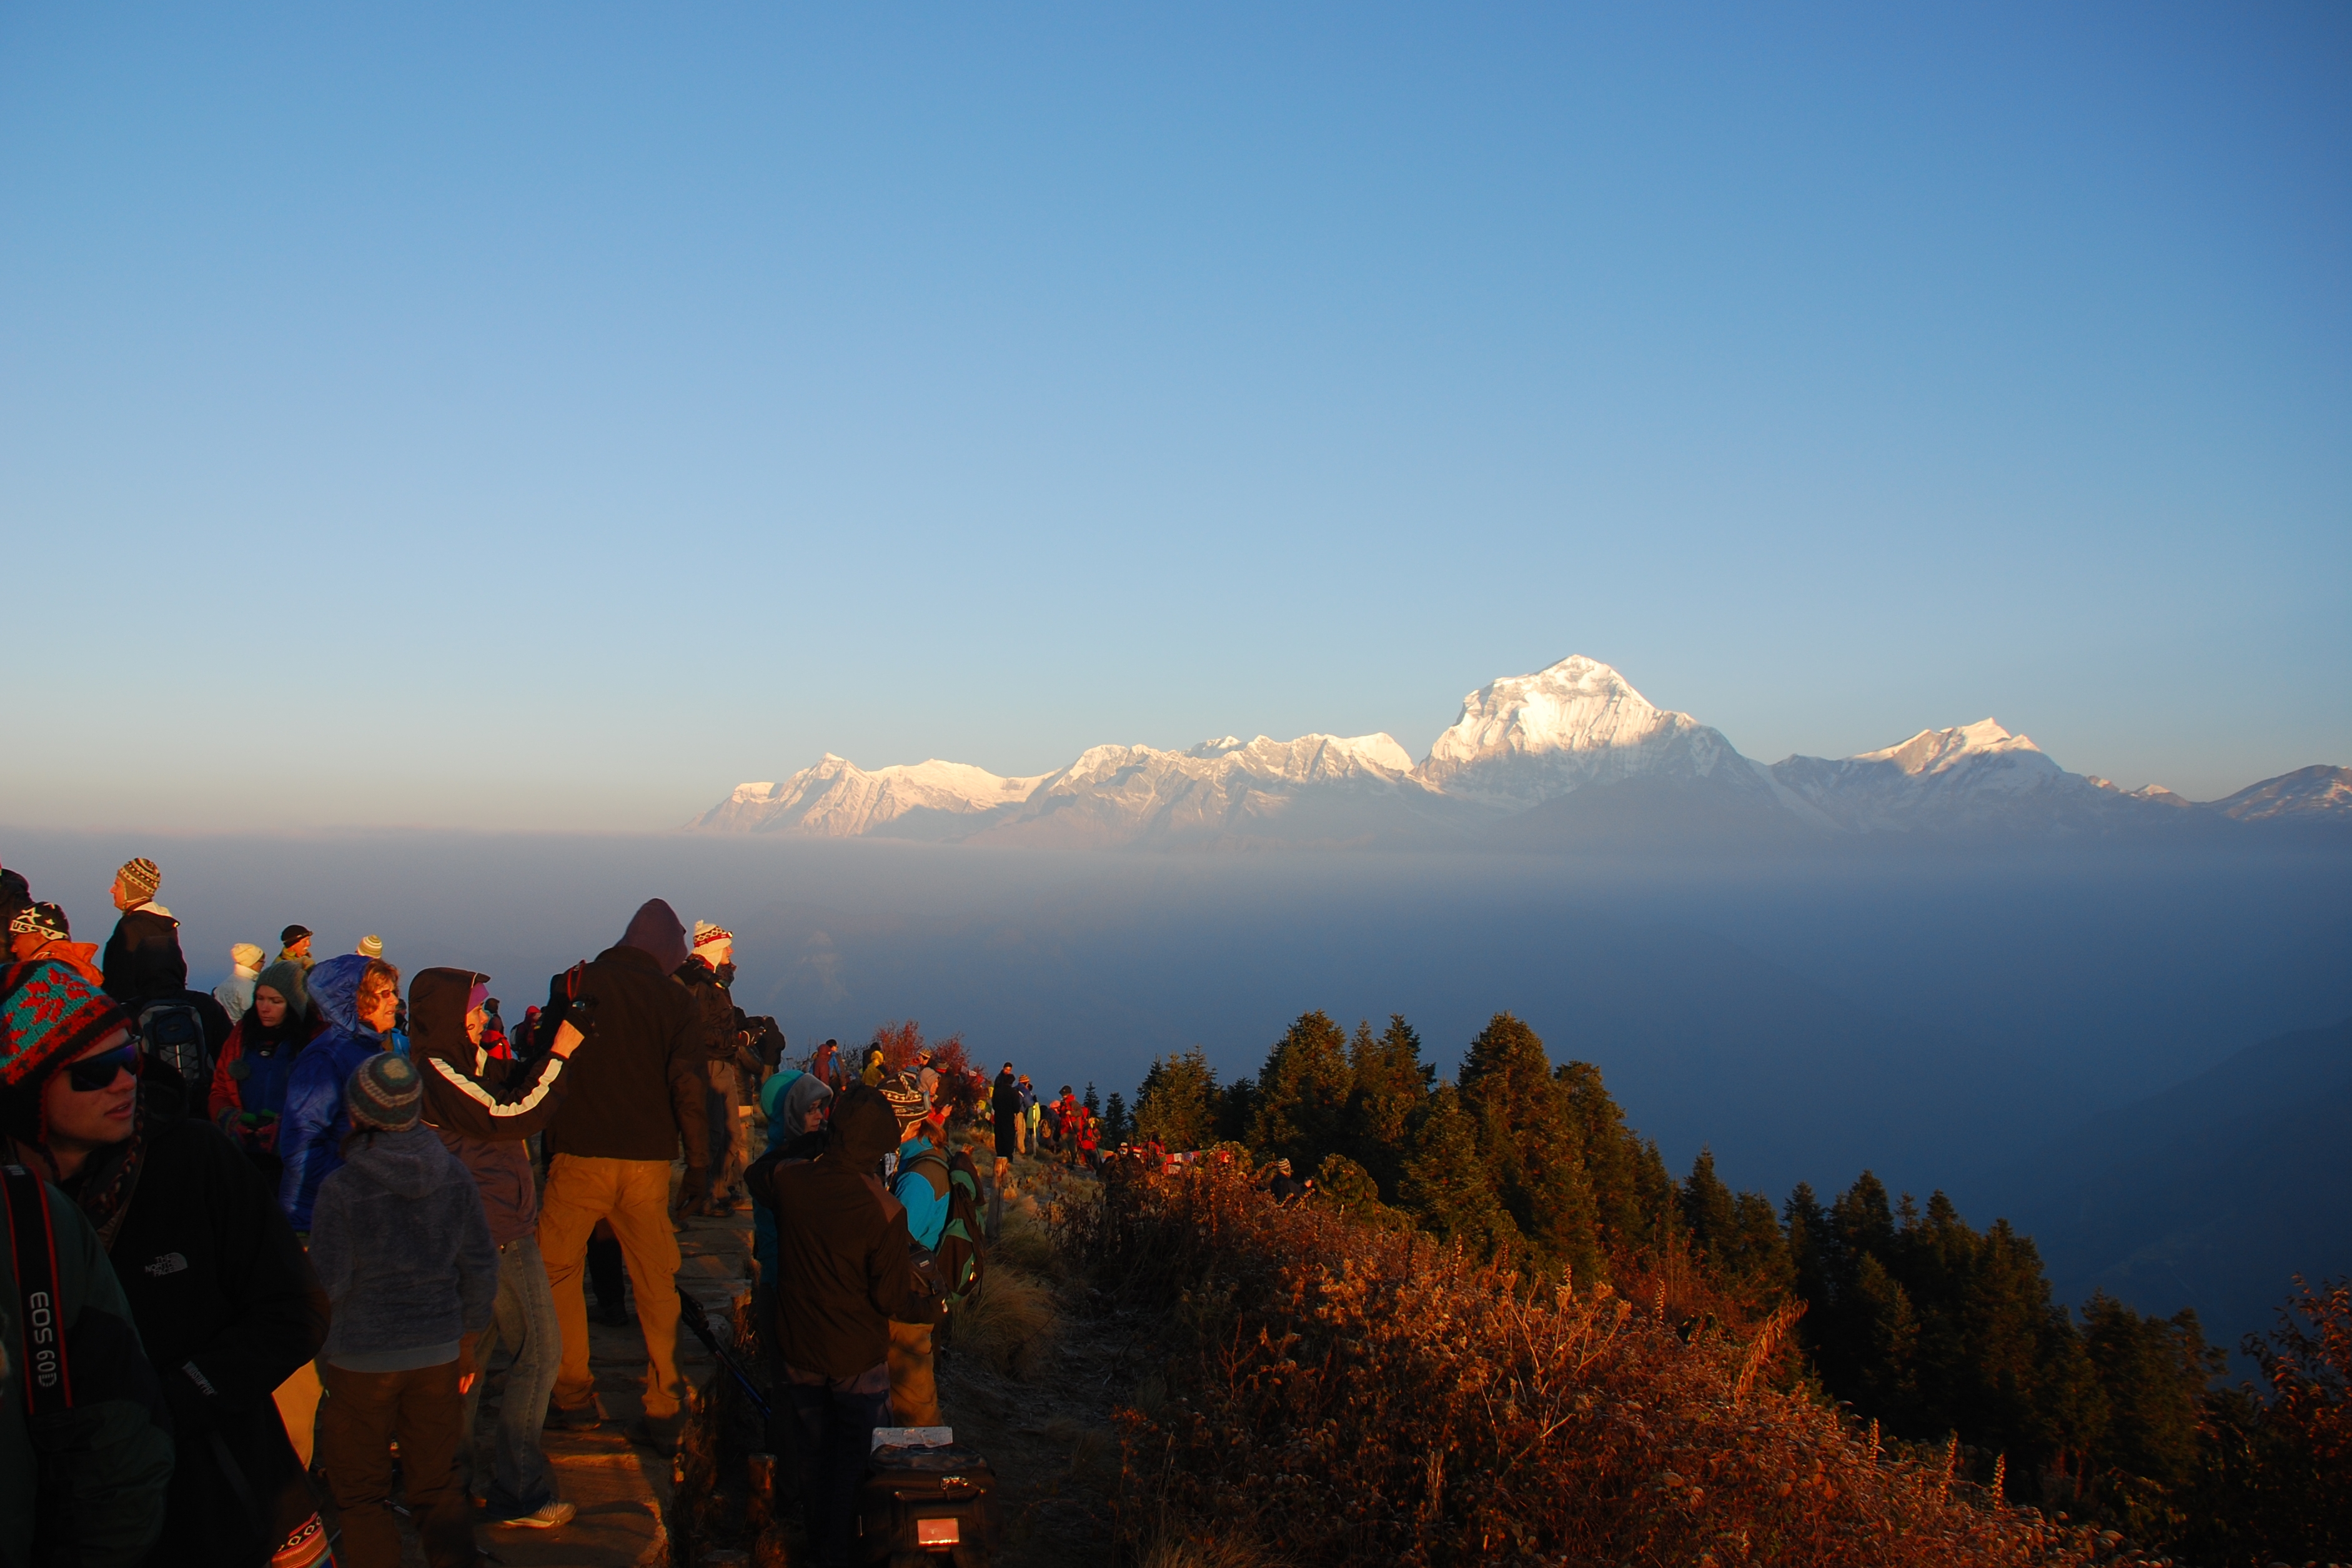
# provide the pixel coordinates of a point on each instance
(436, 1016)
(864, 1128)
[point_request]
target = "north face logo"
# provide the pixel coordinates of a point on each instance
(170, 1263)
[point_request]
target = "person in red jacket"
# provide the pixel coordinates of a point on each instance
(248, 1092)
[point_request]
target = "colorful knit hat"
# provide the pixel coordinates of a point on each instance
(371, 946)
(906, 1098)
(707, 935)
(48, 1013)
(386, 1092)
(142, 875)
(45, 920)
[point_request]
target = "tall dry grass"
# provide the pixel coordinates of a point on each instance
(1340, 1393)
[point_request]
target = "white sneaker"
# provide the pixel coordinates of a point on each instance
(548, 1515)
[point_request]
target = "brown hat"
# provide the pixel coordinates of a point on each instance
(142, 875)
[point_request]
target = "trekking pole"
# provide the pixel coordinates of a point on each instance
(690, 1311)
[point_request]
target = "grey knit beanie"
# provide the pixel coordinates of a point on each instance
(386, 1093)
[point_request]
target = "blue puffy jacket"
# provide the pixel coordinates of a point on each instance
(310, 1135)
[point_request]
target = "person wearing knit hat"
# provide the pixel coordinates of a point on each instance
(371, 946)
(50, 1013)
(136, 882)
(387, 1094)
(40, 932)
(401, 1244)
(224, 1302)
(247, 1098)
(294, 945)
(235, 993)
(714, 944)
(706, 974)
(142, 959)
(122, 1459)
(921, 1184)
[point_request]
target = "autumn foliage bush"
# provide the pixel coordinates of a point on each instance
(1343, 1392)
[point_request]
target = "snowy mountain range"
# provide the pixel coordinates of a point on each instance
(1569, 754)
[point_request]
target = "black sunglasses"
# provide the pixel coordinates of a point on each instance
(91, 1074)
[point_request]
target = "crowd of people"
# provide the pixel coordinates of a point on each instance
(265, 1241)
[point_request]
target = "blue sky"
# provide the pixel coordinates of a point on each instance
(541, 415)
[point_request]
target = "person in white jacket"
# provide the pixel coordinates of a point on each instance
(235, 993)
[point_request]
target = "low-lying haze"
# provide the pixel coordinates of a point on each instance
(1939, 1016)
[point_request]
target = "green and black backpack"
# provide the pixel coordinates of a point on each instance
(959, 1254)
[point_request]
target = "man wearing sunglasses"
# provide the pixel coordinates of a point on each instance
(114, 1440)
(222, 1296)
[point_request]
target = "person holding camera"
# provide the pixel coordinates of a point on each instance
(484, 1107)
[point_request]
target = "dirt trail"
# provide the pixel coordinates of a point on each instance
(1041, 1411)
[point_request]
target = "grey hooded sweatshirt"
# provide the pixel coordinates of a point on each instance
(399, 1241)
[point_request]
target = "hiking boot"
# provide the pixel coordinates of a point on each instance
(574, 1417)
(552, 1514)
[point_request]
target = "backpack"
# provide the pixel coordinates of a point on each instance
(960, 1256)
(173, 1032)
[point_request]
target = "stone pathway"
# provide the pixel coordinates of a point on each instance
(620, 1488)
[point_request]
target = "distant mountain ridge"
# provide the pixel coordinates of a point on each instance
(1569, 752)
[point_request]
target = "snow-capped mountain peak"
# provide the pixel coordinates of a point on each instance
(1575, 740)
(1529, 738)
(1934, 750)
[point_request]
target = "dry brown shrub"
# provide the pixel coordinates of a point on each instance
(1340, 1393)
(1010, 1323)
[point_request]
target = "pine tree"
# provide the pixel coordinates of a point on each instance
(1709, 1212)
(1509, 1090)
(1389, 1091)
(1177, 1103)
(1629, 1182)
(2152, 1373)
(1302, 1093)
(1091, 1100)
(1446, 1186)
(1115, 1127)
(1885, 1345)
(1348, 1185)
(1234, 1107)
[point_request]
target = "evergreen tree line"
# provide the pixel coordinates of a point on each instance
(1917, 1319)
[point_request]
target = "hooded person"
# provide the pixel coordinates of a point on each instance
(404, 1253)
(87, 1481)
(357, 997)
(484, 1107)
(40, 933)
(246, 1099)
(631, 1101)
(223, 1298)
(846, 1270)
